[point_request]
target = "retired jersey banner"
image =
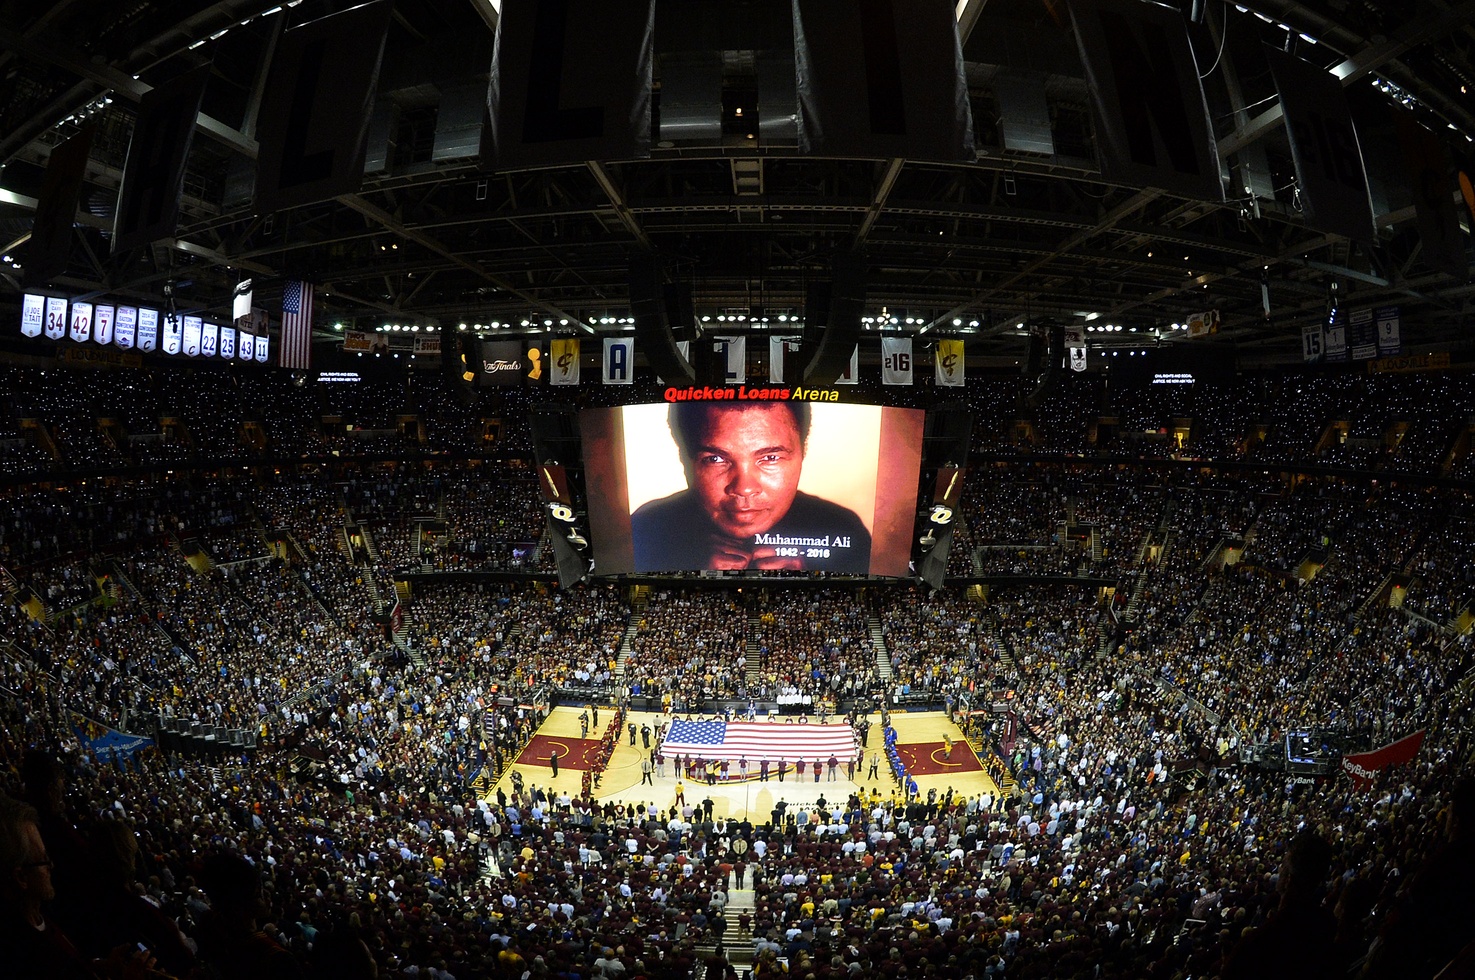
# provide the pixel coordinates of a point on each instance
(896, 360)
(1390, 330)
(228, 342)
(1336, 335)
(618, 365)
(732, 353)
(209, 339)
(780, 350)
(1313, 344)
(949, 363)
(102, 324)
(33, 315)
(55, 324)
(564, 355)
(1362, 335)
(81, 321)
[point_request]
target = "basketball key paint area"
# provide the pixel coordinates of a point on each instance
(930, 758)
(573, 753)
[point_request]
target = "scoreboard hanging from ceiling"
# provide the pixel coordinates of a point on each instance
(142, 328)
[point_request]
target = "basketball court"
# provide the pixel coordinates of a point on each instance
(920, 743)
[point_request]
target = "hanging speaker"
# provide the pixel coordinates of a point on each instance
(681, 315)
(652, 330)
(842, 326)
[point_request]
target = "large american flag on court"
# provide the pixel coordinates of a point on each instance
(717, 740)
(296, 349)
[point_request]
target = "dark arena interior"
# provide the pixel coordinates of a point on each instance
(689, 490)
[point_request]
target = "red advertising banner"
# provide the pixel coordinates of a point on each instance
(1364, 767)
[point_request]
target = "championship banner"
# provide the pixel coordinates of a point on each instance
(570, 80)
(501, 363)
(851, 374)
(1390, 330)
(564, 356)
(1363, 767)
(148, 329)
(172, 335)
(191, 344)
(618, 364)
(732, 353)
(1152, 121)
(125, 327)
(905, 96)
(1336, 335)
(81, 321)
(896, 360)
(780, 350)
(949, 363)
(1313, 347)
(315, 109)
(102, 324)
(1362, 335)
(1324, 147)
(426, 346)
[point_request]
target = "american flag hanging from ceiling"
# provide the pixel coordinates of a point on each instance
(296, 344)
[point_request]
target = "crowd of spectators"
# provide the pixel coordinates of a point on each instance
(688, 647)
(1133, 840)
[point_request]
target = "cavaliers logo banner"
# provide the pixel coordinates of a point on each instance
(564, 355)
(950, 363)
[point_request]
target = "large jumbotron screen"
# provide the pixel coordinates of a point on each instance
(743, 486)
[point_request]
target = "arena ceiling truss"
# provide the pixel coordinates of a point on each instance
(742, 216)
